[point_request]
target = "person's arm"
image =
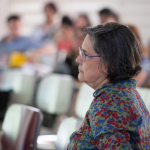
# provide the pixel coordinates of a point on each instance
(46, 49)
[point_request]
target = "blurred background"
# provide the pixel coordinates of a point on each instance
(39, 43)
(130, 11)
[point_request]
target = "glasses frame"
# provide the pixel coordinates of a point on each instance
(83, 56)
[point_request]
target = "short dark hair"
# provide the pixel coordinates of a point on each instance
(13, 18)
(109, 13)
(118, 48)
(51, 6)
(86, 18)
(105, 11)
(67, 21)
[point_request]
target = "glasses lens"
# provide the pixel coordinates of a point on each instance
(81, 53)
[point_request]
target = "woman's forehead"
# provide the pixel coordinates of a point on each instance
(87, 45)
(87, 42)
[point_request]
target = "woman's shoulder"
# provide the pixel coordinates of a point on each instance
(123, 101)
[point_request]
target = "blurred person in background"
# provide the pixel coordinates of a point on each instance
(117, 118)
(14, 42)
(82, 21)
(70, 66)
(65, 40)
(46, 32)
(79, 36)
(14, 46)
(64, 37)
(107, 15)
(144, 76)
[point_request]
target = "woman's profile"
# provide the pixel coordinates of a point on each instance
(117, 118)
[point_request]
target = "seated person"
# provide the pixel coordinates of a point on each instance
(14, 41)
(107, 15)
(82, 21)
(64, 37)
(117, 118)
(46, 32)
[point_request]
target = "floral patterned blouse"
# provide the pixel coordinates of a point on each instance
(117, 119)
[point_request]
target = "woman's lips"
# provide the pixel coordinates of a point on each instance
(80, 71)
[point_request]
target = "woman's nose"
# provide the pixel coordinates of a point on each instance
(79, 60)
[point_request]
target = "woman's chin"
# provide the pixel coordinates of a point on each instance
(81, 77)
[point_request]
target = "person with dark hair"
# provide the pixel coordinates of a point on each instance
(107, 15)
(82, 21)
(13, 46)
(46, 32)
(64, 37)
(51, 7)
(14, 41)
(67, 21)
(117, 117)
(13, 18)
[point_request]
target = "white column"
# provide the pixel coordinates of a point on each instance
(4, 11)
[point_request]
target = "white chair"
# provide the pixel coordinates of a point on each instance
(22, 85)
(61, 140)
(84, 99)
(54, 93)
(21, 127)
(145, 94)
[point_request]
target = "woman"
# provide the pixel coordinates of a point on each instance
(45, 33)
(117, 117)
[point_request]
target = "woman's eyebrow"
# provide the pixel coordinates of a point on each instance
(85, 51)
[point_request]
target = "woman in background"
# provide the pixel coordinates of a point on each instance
(144, 76)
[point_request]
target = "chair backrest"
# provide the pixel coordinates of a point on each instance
(61, 140)
(54, 93)
(20, 127)
(84, 99)
(66, 128)
(22, 86)
(145, 94)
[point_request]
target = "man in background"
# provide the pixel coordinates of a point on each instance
(107, 15)
(14, 41)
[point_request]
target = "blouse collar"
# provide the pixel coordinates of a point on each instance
(131, 83)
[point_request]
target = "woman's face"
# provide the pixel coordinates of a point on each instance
(90, 69)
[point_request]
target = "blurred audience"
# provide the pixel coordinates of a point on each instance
(46, 32)
(107, 15)
(144, 76)
(82, 21)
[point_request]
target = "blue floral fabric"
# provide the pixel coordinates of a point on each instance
(117, 119)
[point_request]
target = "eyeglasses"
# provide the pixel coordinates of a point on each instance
(83, 55)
